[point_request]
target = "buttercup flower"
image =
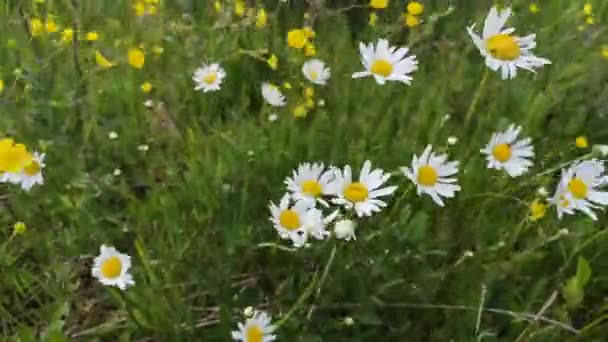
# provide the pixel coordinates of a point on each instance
(537, 210)
(296, 38)
(363, 195)
(112, 268)
(13, 157)
(315, 71)
(415, 8)
(256, 329)
(209, 77)
(432, 175)
(296, 221)
(102, 61)
(581, 142)
(378, 4)
(386, 64)
(310, 182)
(505, 151)
(136, 58)
(273, 95)
(30, 175)
(502, 50)
(578, 189)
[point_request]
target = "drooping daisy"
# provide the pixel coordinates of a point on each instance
(310, 182)
(345, 230)
(258, 328)
(505, 151)
(316, 72)
(501, 49)
(273, 95)
(296, 221)
(29, 176)
(112, 268)
(209, 77)
(386, 63)
(578, 189)
(432, 175)
(362, 195)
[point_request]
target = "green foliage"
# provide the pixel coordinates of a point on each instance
(191, 207)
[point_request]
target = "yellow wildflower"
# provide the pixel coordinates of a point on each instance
(605, 51)
(287, 85)
(310, 50)
(296, 38)
(261, 19)
(92, 36)
(19, 228)
(217, 6)
(140, 8)
(136, 58)
(310, 103)
(1, 86)
(415, 8)
(537, 210)
(590, 21)
(373, 19)
(146, 87)
(309, 92)
(581, 142)
(411, 20)
(273, 61)
(103, 62)
(67, 35)
(299, 111)
(378, 4)
(36, 27)
(239, 8)
(588, 9)
(308, 32)
(51, 26)
(534, 8)
(13, 157)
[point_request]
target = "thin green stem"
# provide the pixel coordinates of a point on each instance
(330, 261)
(303, 297)
(473, 105)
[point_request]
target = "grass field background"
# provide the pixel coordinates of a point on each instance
(191, 209)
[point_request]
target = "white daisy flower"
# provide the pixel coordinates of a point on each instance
(258, 328)
(112, 268)
(297, 221)
(578, 189)
(505, 151)
(310, 182)
(209, 77)
(316, 72)
(273, 95)
(29, 176)
(429, 173)
(501, 49)
(362, 196)
(386, 63)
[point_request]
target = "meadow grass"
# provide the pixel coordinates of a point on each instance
(192, 208)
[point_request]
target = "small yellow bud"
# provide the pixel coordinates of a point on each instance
(534, 8)
(19, 228)
(581, 142)
(415, 8)
(92, 36)
(411, 20)
(146, 87)
(273, 62)
(373, 19)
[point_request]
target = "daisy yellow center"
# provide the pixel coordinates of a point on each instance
(111, 267)
(503, 47)
(427, 175)
(382, 67)
(289, 219)
(502, 152)
(32, 169)
(254, 334)
(314, 75)
(356, 192)
(210, 78)
(311, 187)
(578, 188)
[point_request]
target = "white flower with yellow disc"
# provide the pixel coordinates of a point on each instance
(310, 182)
(297, 221)
(386, 63)
(433, 175)
(315, 71)
(578, 189)
(502, 49)
(505, 151)
(208, 77)
(112, 268)
(258, 328)
(362, 195)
